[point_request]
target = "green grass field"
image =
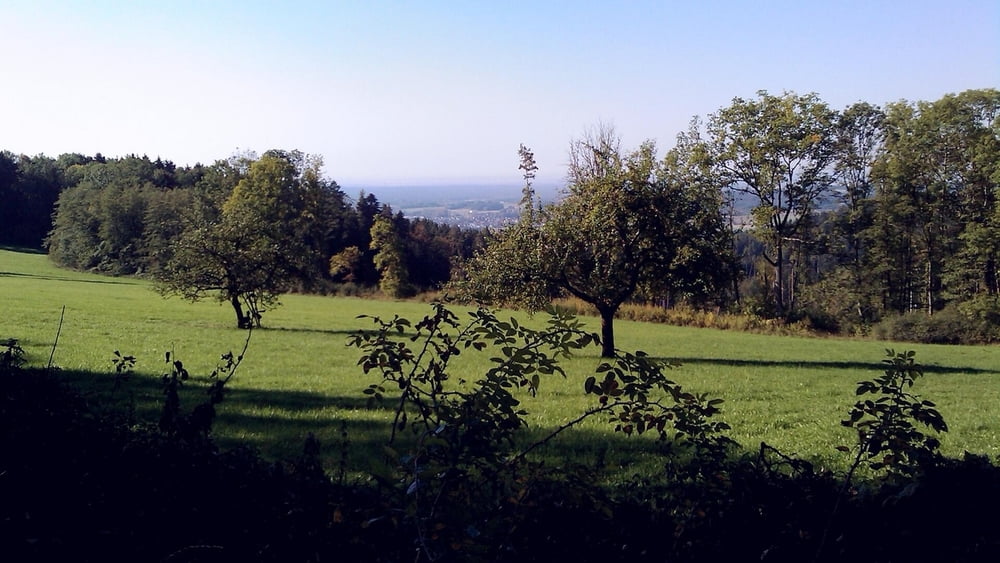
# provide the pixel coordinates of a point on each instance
(298, 376)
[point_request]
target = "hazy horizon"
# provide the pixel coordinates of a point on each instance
(412, 195)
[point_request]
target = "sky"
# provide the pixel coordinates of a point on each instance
(443, 93)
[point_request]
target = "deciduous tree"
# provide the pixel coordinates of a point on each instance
(938, 177)
(623, 227)
(388, 257)
(262, 241)
(777, 150)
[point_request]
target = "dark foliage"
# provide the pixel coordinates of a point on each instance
(131, 215)
(82, 484)
(970, 323)
(83, 487)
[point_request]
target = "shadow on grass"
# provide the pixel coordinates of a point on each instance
(146, 393)
(111, 281)
(23, 249)
(266, 328)
(805, 365)
(277, 422)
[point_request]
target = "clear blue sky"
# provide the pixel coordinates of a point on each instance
(444, 92)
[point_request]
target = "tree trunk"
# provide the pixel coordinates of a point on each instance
(607, 331)
(779, 276)
(930, 288)
(992, 285)
(242, 321)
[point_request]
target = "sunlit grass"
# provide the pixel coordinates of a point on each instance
(298, 375)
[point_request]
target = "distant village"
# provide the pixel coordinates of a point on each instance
(468, 214)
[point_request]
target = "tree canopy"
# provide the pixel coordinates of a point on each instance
(778, 150)
(844, 219)
(623, 229)
(276, 219)
(266, 237)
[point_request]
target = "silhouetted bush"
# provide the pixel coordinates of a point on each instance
(81, 484)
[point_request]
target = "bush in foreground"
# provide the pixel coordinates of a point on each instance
(81, 484)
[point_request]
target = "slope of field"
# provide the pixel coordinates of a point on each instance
(298, 376)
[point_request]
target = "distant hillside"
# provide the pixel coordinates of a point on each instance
(493, 205)
(404, 196)
(466, 205)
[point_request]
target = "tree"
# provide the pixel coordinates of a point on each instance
(777, 150)
(429, 250)
(623, 228)
(311, 214)
(346, 264)
(969, 159)
(388, 257)
(860, 133)
(73, 241)
(261, 241)
(508, 270)
(915, 215)
(29, 188)
(706, 269)
(936, 202)
(843, 291)
(164, 220)
(116, 216)
(10, 196)
(528, 200)
(227, 260)
(98, 223)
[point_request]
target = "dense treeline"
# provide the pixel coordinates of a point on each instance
(870, 219)
(133, 215)
(891, 214)
(866, 219)
(458, 481)
(29, 187)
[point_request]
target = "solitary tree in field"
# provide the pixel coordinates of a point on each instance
(264, 239)
(622, 228)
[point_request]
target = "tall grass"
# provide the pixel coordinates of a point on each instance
(299, 377)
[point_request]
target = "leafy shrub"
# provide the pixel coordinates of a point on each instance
(887, 436)
(815, 320)
(461, 477)
(837, 303)
(983, 319)
(460, 482)
(12, 356)
(973, 322)
(351, 289)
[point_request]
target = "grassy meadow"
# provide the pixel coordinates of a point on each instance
(298, 376)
